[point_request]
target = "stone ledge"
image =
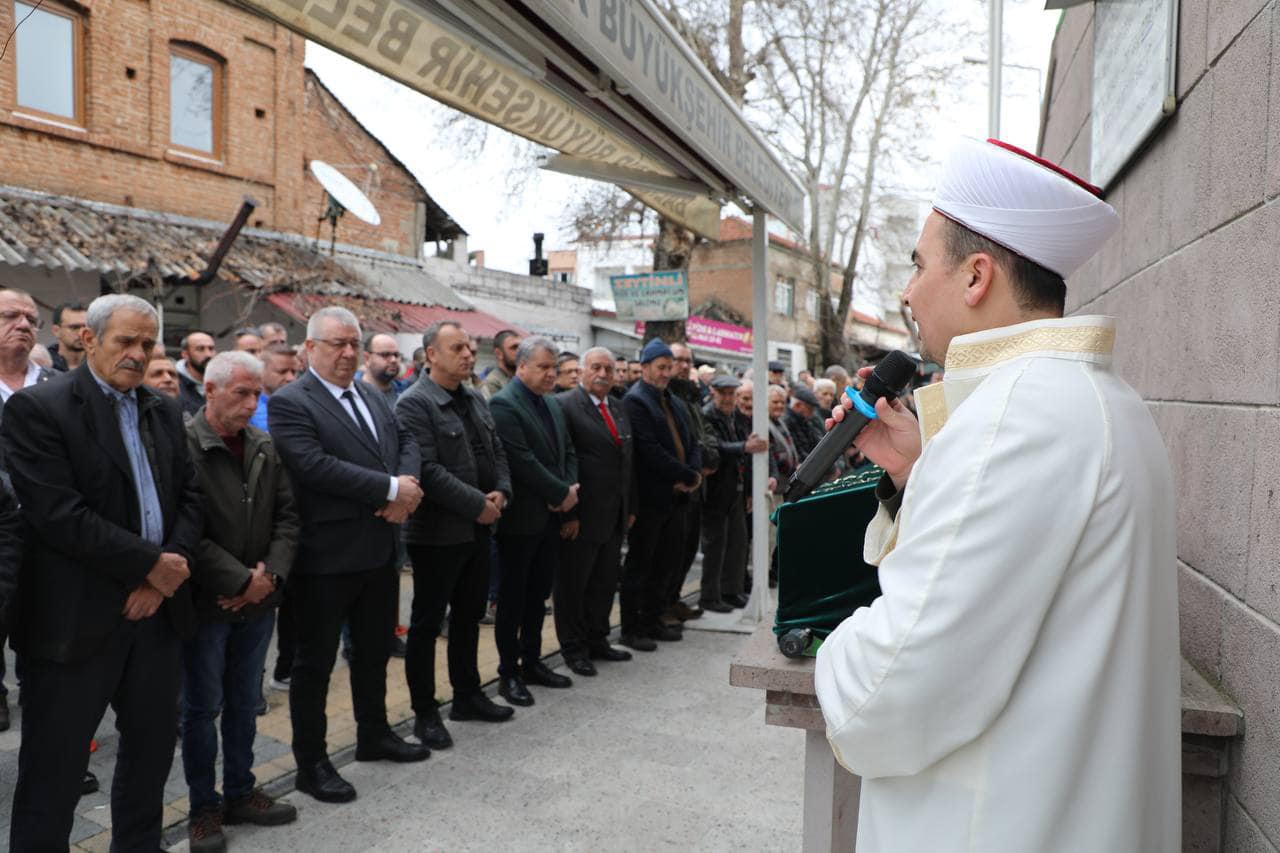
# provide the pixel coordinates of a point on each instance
(791, 698)
(1205, 710)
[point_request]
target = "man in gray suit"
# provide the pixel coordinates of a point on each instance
(544, 478)
(591, 532)
(355, 479)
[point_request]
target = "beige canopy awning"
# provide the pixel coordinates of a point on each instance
(662, 129)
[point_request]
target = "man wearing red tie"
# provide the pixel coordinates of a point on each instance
(592, 532)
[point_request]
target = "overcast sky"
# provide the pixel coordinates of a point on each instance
(474, 189)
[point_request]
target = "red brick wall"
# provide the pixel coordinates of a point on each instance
(122, 154)
(333, 135)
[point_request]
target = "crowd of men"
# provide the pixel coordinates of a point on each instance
(157, 515)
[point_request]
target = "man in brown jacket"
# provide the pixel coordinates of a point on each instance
(250, 536)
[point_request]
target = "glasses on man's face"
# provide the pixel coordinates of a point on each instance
(341, 343)
(388, 355)
(11, 317)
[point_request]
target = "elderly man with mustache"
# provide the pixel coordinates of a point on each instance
(111, 513)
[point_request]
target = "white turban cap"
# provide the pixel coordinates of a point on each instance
(1027, 205)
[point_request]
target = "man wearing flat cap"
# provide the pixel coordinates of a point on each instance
(668, 468)
(777, 373)
(801, 420)
(1016, 686)
(724, 514)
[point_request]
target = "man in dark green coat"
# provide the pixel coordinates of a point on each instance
(250, 536)
(544, 480)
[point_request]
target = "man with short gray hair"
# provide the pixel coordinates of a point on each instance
(544, 477)
(112, 512)
(355, 478)
(237, 578)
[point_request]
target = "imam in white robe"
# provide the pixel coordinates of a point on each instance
(1016, 687)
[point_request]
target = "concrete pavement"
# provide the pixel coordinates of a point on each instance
(658, 753)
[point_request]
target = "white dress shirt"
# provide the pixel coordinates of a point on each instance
(33, 374)
(337, 391)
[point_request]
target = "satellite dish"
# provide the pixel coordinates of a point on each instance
(343, 195)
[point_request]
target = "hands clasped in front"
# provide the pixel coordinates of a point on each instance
(408, 496)
(169, 572)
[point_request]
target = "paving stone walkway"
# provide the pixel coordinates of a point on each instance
(658, 753)
(604, 697)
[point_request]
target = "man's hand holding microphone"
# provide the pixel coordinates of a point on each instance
(891, 441)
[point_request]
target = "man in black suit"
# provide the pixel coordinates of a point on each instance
(466, 486)
(19, 320)
(591, 550)
(668, 469)
(544, 478)
(112, 513)
(355, 479)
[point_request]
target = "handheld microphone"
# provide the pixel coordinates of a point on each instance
(889, 379)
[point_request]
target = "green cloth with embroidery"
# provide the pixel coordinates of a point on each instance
(821, 575)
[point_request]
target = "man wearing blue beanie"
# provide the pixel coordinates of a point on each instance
(668, 468)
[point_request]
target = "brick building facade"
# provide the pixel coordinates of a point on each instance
(720, 273)
(1191, 278)
(119, 147)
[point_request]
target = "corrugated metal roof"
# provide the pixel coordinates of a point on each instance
(401, 280)
(38, 229)
(56, 232)
(384, 315)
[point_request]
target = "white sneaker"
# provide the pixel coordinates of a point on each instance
(277, 684)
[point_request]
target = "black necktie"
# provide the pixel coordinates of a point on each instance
(350, 397)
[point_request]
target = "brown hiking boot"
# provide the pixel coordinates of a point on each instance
(259, 810)
(204, 832)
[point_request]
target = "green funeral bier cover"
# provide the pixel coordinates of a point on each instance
(822, 577)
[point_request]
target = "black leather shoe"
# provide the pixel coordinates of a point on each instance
(429, 729)
(609, 653)
(513, 690)
(684, 612)
(665, 633)
(635, 641)
(479, 707)
(716, 606)
(323, 782)
(540, 673)
(4, 713)
(391, 747)
(737, 600)
(580, 666)
(90, 784)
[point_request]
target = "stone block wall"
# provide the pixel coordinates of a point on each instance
(1194, 278)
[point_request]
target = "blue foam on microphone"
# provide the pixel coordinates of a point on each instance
(864, 408)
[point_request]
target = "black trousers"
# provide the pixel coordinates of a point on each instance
(136, 672)
(724, 550)
(585, 584)
(688, 552)
(528, 571)
(655, 546)
(286, 636)
(456, 577)
(367, 601)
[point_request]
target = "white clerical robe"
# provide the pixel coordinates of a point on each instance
(1016, 687)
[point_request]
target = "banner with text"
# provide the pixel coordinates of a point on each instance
(404, 41)
(651, 295)
(712, 334)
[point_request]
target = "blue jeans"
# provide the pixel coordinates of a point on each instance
(223, 668)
